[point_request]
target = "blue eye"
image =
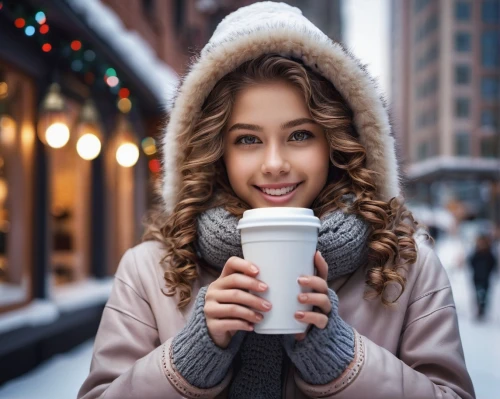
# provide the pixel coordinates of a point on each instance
(301, 135)
(247, 140)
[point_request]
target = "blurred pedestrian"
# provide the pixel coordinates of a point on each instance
(483, 262)
(274, 113)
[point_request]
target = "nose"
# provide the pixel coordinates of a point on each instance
(275, 162)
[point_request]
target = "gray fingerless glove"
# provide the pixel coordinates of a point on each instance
(197, 358)
(324, 354)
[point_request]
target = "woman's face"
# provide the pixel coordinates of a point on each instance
(275, 154)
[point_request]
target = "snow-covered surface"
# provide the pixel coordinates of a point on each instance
(38, 312)
(159, 77)
(452, 163)
(58, 378)
(70, 297)
(67, 298)
(12, 293)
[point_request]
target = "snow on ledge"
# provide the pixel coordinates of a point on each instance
(159, 77)
(82, 294)
(67, 298)
(431, 165)
(38, 312)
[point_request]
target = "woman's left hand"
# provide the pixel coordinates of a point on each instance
(318, 297)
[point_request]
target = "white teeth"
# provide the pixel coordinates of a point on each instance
(280, 191)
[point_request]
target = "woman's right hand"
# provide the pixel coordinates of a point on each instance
(228, 306)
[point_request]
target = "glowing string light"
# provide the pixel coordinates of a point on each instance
(29, 31)
(40, 17)
(19, 23)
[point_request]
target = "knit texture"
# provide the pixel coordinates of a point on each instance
(197, 358)
(341, 239)
(323, 354)
(342, 242)
(260, 372)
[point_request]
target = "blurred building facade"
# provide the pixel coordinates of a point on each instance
(82, 97)
(445, 66)
(70, 208)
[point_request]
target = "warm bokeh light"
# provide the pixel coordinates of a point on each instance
(124, 92)
(47, 47)
(88, 146)
(4, 90)
(149, 146)
(76, 45)
(112, 81)
(3, 191)
(7, 131)
(154, 166)
(124, 105)
(19, 23)
(57, 135)
(44, 29)
(127, 155)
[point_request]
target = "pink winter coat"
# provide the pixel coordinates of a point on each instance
(412, 350)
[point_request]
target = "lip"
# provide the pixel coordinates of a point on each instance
(282, 199)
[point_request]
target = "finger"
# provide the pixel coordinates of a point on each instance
(242, 298)
(300, 337)
(321, 265)
(232, 311)
(319, 300)
(223, 325)
(316, 283)
(238, 265)
(241, 282)
(317, 319)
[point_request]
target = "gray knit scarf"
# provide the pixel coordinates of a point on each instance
(259, 364)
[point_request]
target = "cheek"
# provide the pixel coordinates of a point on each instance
(236, 169)
(317, 163)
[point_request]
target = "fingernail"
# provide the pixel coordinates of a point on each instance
(267, 305)
(303, 297)
(254, 269)
(299, 315)
(262, 286)
(259, 317)
(303, 280)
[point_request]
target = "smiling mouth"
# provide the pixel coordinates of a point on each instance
(278, 192)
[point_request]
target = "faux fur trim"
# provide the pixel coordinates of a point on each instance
(270, 27)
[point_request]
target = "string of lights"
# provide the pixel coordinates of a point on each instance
(82, 59)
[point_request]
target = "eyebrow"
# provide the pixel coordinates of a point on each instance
(257, 128)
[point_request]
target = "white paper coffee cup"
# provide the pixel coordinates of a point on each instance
(281, 242)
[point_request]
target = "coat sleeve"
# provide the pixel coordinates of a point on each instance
(429, 363)
(128, 360)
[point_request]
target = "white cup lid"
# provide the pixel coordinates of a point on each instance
(279, 216)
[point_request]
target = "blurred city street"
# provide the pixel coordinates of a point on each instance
(479, 339)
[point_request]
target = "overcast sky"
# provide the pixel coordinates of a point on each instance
(366, 34)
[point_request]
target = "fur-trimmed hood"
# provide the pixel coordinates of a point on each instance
(270, 27)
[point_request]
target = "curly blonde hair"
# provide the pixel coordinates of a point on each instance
(204, 182)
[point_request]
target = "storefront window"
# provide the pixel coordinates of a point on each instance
(70, 189)
(16, 179)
